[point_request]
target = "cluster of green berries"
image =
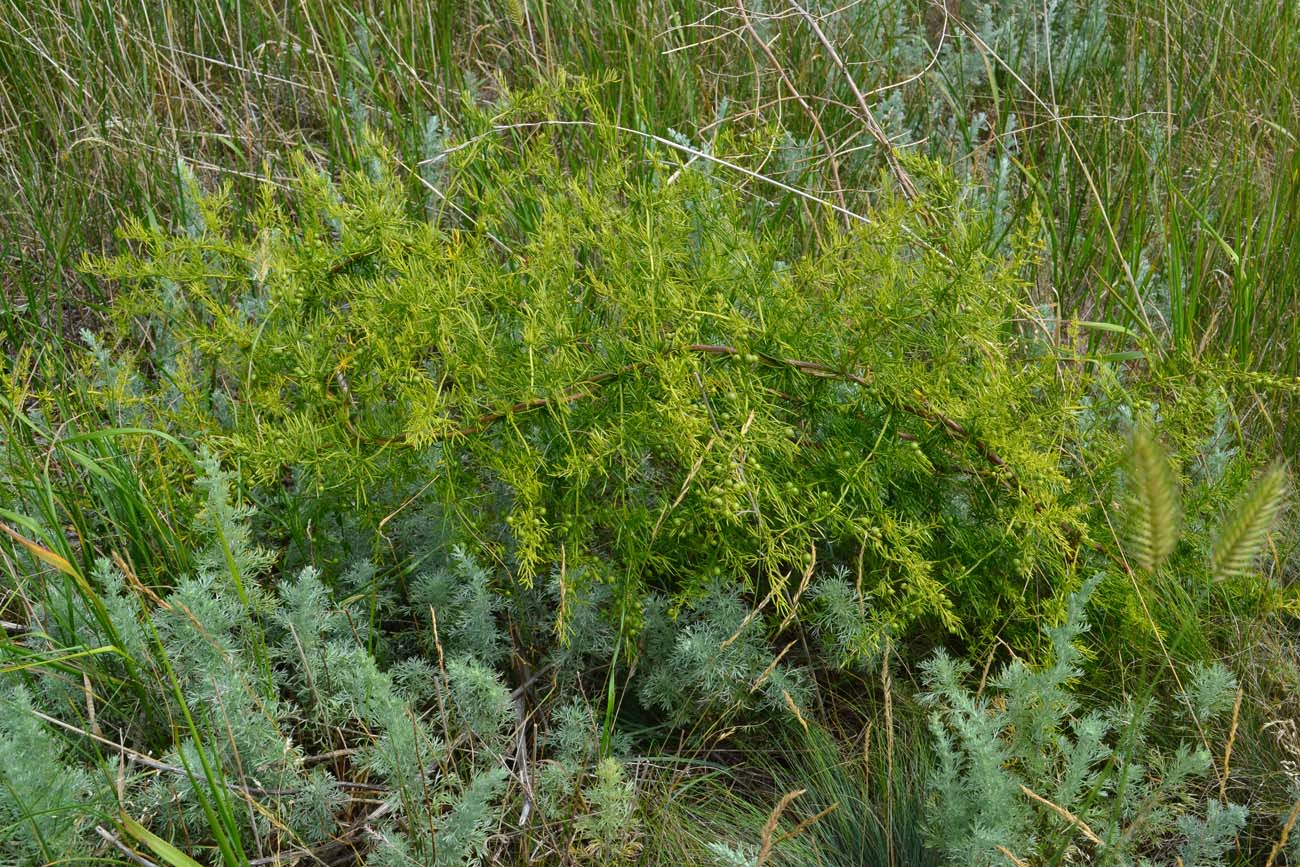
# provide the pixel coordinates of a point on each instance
(726, 496)
(523, 523)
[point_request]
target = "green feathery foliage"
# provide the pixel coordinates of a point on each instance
(1246, 527)
(628, 380)
(1151, 503)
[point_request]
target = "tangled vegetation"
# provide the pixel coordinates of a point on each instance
(524, 486)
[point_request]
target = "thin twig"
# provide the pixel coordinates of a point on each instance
(873, 126)
(126, 850)
(1064, 814)
(666, 142)
(803, 103)
(582, 390)
(934, 58)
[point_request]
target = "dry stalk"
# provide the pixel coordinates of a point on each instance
(1064, 814)
(1227, 750)
(1286, 832)
(887, 686)
(803, 103)
(770, 825)
(1012, 858)
(873, 126)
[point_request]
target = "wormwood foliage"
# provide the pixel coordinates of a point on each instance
(628, 379)
(44, 801)
(258, 720)
(243, 684)
(1026, 774)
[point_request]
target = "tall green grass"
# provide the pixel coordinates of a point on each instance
(1150, 144)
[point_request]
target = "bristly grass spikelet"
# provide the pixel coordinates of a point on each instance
(1152, 502)
(1246, 527)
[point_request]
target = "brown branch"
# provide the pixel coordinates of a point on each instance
(578, 393)
(811, 368)
(921, 410)
(1064, 814)
(958, 431)
(112, 839)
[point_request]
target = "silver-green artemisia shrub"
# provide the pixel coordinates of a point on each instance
(1030, 772)
(1027, 773)
(273, 723)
